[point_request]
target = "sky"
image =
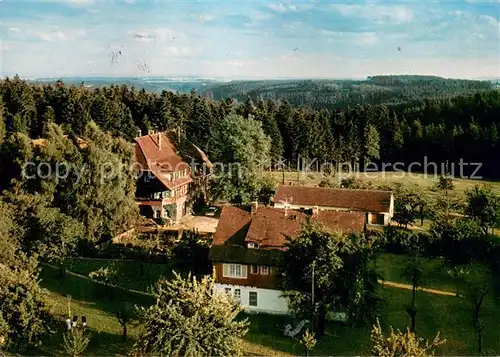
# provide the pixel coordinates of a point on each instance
(250, 39)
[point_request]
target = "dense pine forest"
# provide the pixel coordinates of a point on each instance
(338, 94)
(385, 119)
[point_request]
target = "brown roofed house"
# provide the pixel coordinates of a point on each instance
(377, 205)
(169, 165)
(248, 249)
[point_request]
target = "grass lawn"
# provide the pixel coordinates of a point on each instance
(391, 268)
(76, 296)
(384, 178)
(450, 315)
(130, 273)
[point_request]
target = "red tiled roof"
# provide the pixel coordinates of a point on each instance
(231, 220)
(357, 200)
(270, 226)
(165, 158)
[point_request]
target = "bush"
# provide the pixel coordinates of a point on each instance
(394, 240)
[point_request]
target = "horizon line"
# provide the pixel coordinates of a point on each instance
(236, 78)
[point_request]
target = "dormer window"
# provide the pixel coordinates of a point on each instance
(253, 245)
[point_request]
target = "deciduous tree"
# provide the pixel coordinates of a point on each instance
(343, 279)
(477, 283)
(242, 149)
(414, 271)
(402, 344)
(191, 318)
(24, 315)
(484, 206)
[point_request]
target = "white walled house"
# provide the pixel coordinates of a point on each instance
(377, 205)
(248, 247)
(254, 299)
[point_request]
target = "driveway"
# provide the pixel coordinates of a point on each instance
(203, 224)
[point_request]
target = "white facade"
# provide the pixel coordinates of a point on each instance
(267, 300)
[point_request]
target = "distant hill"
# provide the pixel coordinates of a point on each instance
(314, 93)
(150, 84)
(338, 94)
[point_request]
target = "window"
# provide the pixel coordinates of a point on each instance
(157, 214)
(156, 195)
(253, 245)
(237, 295)
(264, 270)
(146, 176)
(252, 298)
(376, 218)
(234, 271)
(254, 269)
(228, 291)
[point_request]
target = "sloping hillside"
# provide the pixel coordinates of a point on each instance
(337, 94)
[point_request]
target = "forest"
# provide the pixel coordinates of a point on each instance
(56, 235)
(456, 120)
(338, 94)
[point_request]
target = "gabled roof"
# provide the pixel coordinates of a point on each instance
(356, 200)
(270, 226)
(162, 153)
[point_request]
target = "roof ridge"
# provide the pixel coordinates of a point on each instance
(337, 188)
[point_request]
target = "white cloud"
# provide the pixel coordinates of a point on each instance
(178, 52)
(60, 35)
(491, 21)
(368, 38)
(378, 13)
(260, 16)
(45, 37)
(167, 44)
(80, 2)
(282, 7)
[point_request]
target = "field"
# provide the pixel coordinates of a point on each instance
(383, 179)
(450, 315)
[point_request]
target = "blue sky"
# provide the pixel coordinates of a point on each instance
(245, 39)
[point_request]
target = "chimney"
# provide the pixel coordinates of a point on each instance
(254, 207)
(139, 133)
(159, 140)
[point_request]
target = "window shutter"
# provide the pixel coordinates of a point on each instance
(225, 270)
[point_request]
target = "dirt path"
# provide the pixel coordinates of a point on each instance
(409, 287)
